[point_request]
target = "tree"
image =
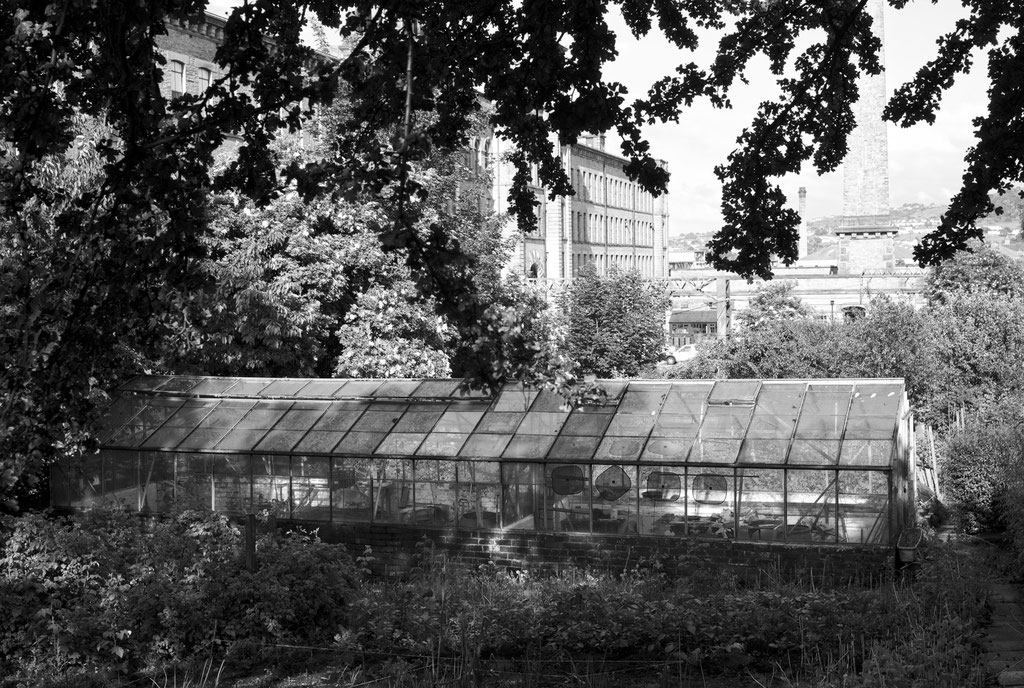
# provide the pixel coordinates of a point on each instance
(614, 324)
(773, 301)
(981, 270)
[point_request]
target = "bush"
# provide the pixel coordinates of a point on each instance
(975, 472)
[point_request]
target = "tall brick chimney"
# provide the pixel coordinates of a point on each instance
(802, 245)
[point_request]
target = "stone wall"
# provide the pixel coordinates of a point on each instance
(395, 549)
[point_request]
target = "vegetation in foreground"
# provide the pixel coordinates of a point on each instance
(96, 599)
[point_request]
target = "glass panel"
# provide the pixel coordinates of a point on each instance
(528, 446)
(458, 420)
(676, 425)
(661, 499)
(621, 448)
(828, 400)
(822, 427)
(864, 507)
(764, 451)
(814, 452)
(575, 448)
(542, 423)
(193, 479)
(157, 477)
(213, 386)
(203, 438)
(725, 421)
(302, 416)
(282, 388)
(392, 490)
(867, 453)
(319, 441)
(442, 444)
(352, 488)
(226, 415)
(627, 425)
(479, 490)
(524, 497)
(877, 399)
(643, 399)
(590, 424)
(245, 388)
(614, 499)
(485, 446)
(397, 388)
(280, 440)
(311, 492)
(118, 413)
(780, 398)
(761, 506)
(191, 413)
(514, 398)
(667, 450)
(179, 384)
(568, 492)
(357, 388)
(734, 390)
(870, 427)
(437, 388)
(550, 402)
(321, 388)
(714, 451)
(401, 443)
(768, 426)
(85, 485)
(149, 418)
(264, 415)
(709, 506)
(340, 416)
(359, 443)
(232, 484)
(121, 479)
(436, 494)
(811, 502)
(377, 421)
(500, 423)
(271, 483)
(420, 420)
(237, 439)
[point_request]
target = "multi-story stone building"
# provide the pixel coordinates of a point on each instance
(189, 48)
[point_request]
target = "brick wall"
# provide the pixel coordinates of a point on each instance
(394, 548)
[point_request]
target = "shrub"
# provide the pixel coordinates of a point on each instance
(975, 470)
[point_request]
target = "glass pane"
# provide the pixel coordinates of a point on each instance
(85, 485)
(550, 402)
(734, 391)
(137, 429)
(514, 398)
(401, 443)
(359, 443)
(156, 473)
(524, 497)
(280, 440)
(377, 421)
(340, 416)
(822, 427)
(420, 420)
(709, 507)
(121, 479)
(667, 450)
(620, 448)
(437, 388)
(179, 384)
(590, 424)
(203, 438)
(213, 385)
(628, 425)
(232, 484)
(870, 427)
(768, 426)
(191, 413)
(238, 439)
(780, 398)
(321, 388)
(319, 441)
(485, 446)
(392, 490)
(569, 495)
(436, 494)
(500, 423)
(614, 499)
(864, 507)
(302, 416)
(226, 415)
(458, 420)
(193, 478)
(828, 399)
(528, 446)
(643, 399)
(725, 421)
(271, 484)
(877, 399)
(764, 451)
(357, 388)
(352, 490)
(574, 448)
(282, 388)
(688, 398)
(867, 453)
(676, 425)
(662, 500)
(814, 452)
(118, 413)
(311, 493)
(442, 444)
(479, 490)
(811, 502)
(761, 503)
(714, 451)
(397, 388)
(542, 423)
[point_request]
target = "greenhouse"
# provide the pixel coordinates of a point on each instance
(800, 461)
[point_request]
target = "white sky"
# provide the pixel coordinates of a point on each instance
(925, 163)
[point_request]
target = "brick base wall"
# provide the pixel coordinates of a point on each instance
(395, 548)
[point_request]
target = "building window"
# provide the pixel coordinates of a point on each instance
(177, 78)
(203, 81)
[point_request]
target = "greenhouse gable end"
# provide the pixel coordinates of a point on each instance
(797, 474)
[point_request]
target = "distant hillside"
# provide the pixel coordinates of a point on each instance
(919, 215)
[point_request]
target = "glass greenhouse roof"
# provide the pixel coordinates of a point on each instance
(729, 422)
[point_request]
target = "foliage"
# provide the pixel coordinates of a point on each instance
(614, 324)
(772, 301)
(1011, 502)
(979, 463)
(979, 270)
